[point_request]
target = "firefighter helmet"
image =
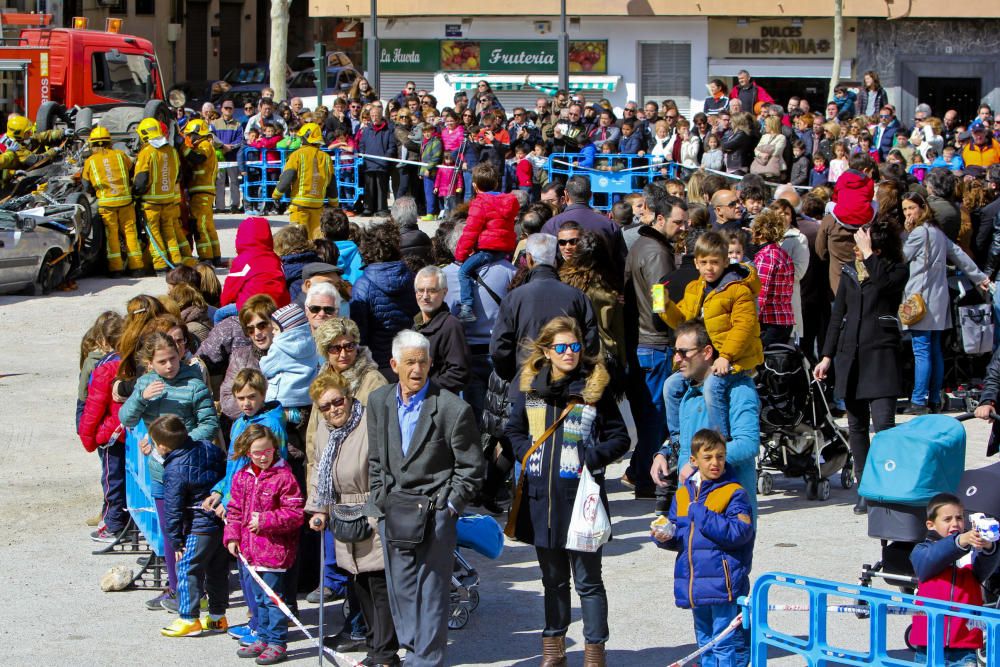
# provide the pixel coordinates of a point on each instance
(197, 127)
(99, 135)
(149, 129)
(19, 128)
(311, 133)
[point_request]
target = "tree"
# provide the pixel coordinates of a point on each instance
(838, 44)
(279, 47)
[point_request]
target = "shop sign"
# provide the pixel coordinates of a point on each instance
(453, 30)
(527, 56)
(779, 40)
(409, 55)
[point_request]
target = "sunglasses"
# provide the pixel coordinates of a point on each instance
(685, 353)
(227, 108)
(326, 310)
(883, 116)
(260, 326)
(568, 241)
(335, 403)
(560, 348)
(262, 453)
(673, 117)
(732, 204)
(248, 107)
(346, 347)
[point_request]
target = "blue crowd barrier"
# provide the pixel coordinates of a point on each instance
(263, 174)
(613, 175)
(139, 490)
(875, 605)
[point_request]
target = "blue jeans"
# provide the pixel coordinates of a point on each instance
(649, 412)
(429, 196)
(556, 565)
(953, 657)
(466, 274)
(928, 367)
(716, 391)
(709, 621)
(248, 586)
(466, 193)
(272, 625)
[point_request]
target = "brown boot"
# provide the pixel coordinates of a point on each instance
(593, 655)
(553, 652)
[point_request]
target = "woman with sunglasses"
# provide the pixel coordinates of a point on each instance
(338, 485)
(255, 322)
(562, 389)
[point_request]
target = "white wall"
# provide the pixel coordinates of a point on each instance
(623, 35)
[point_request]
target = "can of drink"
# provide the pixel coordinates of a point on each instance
(659, 298)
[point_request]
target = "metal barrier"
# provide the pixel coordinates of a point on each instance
(815, 649)
(612, 175)
(261, 175)
(139, 490)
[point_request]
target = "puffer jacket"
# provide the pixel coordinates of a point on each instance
(730, 315)
(490, 225)
(255, 269)
(853, 199)
(100, 411)
(592, 434)
(293, 265)
(383, 303)
(497, 408)
(185, 395)
(715, 536)
(275, 495)
(198, 324)
(225, 336)
(738, 151)
(272, 416)
(290, 366)
(89, 364)
(189, 473)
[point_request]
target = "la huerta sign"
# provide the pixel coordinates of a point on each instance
(409, 55)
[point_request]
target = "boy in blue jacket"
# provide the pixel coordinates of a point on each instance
(190, 469)
(710, 525)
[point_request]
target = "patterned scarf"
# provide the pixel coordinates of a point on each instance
(324, 482)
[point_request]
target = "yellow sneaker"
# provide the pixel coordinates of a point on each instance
(209, 625)
(182, 628)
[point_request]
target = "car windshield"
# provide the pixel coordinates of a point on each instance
(122, 76)
(247, 74)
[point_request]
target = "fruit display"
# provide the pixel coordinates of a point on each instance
(588, 56)
(459, 55)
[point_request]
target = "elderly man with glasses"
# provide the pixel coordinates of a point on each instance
(566, 134)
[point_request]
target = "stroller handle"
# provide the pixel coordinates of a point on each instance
(966, 416)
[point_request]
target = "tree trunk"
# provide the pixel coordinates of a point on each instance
(279, 48)
(838, 44)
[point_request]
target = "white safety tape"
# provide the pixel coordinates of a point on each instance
(859, 609)
(740, 178)
(269, 592)
(735, 623)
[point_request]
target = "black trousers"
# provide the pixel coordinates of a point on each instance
(376, 190)
(373, 596)
(860, 413)
(556, 565)
(775, 333)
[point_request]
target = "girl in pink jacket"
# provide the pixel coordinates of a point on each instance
(262, 522)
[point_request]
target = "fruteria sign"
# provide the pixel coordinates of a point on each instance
(527, 56)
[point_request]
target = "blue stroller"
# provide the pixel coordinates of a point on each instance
(482, 534)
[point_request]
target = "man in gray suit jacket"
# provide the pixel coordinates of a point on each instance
(423, 449)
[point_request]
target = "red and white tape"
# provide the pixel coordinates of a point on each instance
(735, 623)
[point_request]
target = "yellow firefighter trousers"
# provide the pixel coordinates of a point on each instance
(307, 217)
(208, 239)
(163, 221)
(119, 221)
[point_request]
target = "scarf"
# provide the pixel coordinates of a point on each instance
(862, 270)
(357, 372)
(324, 481)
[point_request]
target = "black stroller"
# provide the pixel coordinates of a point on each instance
(798, 435)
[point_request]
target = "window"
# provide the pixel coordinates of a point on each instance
(115, 6)
(666, 73)
(145, 7)
(122, 76)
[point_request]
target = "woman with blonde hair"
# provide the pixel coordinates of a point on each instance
(561, 404)
(768, 156)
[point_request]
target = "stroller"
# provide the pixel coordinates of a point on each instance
(482, 534)
(798, 435)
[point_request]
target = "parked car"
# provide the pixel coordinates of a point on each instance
(338, 79)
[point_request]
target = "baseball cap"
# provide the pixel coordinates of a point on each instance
(320, 269)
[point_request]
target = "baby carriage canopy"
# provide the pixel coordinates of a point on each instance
(979, 490)
(909, 464)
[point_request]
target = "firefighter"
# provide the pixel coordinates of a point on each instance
(23, 146)
(157, 169)
(201, 190)
(307, 176)
(106, 174)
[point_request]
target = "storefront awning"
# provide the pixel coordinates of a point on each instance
(789, 68)
(547, 83)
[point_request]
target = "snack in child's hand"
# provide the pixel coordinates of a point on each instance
(663, 528)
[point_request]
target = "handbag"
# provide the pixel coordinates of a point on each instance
(350, 524)
(406, 517)
(515, 505)
(976, 326)
(913, 308)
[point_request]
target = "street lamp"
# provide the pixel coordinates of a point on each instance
(563, 48)
(373, 50)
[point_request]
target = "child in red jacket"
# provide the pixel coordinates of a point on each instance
(488, 235)
(262, 522)
(256, 269)
(951, 565)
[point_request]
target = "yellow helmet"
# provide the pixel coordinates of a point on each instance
(311, 133)
(149, 129)
(197, 126)
(19, 128)
(100, 135)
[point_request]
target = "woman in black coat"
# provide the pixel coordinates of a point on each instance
(738, 146)
(863, 338)
(592, 433)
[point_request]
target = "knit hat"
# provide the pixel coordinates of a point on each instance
(289, 317)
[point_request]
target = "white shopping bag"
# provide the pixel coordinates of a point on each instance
(590, 527)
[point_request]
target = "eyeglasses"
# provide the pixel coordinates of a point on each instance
(671, 117)
(427, 290)
(227, 108)
(685, 353)
(346, 347)
(568, 241)
(884, 116)
(335, 403)
(517, 113)
(248, 107)
(732, 204)
(560, 348)
(326, 310)
(630, 110)
(260, 326)
(262, 453)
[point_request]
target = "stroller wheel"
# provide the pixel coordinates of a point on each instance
(811, 489)
(473, 599)
(906, 637)
(847, 477)
(459, 617)
(823, 489)
(981, 656)
(765, 484)
(346, 608)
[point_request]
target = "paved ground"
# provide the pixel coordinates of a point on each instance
(54, 612)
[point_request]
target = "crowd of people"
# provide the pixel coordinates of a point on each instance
(365, 385)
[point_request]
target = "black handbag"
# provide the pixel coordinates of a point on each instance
(406, 517)
(350, 524)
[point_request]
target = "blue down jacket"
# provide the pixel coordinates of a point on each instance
(189, 473)
(382, 305)
(715, 536)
